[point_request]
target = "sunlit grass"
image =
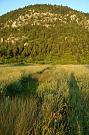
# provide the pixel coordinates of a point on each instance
(44, 99)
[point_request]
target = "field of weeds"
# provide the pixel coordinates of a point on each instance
(44, 100)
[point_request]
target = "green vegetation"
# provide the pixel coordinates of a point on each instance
(44, 34)
(44, 99)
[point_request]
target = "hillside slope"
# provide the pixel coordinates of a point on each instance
(45, 33)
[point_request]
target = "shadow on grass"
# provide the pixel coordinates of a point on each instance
(78, 113)
(26, 86)
(43, 70)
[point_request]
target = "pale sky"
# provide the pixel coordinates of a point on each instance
(9, 5)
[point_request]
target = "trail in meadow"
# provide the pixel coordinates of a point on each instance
(78, 111)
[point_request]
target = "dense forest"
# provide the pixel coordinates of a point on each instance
(44, 34)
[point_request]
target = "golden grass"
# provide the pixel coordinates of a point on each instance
(58, 106)
(14, 72)
(10, 73)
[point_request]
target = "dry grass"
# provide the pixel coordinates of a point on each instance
(54, 100)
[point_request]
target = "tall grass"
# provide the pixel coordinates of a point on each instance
(49, 101)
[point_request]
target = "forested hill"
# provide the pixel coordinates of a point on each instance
(44, 34)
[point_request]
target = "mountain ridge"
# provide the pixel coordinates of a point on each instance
(45, 33)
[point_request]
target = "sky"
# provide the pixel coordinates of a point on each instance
(9, 5)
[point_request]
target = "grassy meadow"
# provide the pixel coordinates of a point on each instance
(44, 100)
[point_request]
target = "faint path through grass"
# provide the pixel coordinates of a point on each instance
(78, 111)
